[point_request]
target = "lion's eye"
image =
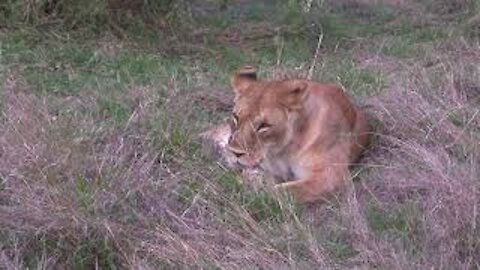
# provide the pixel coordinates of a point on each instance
(263, 127)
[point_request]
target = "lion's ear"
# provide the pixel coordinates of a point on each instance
(243, 78)
(296, 94)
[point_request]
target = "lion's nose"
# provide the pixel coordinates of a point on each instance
(237, 152)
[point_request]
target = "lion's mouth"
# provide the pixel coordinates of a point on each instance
(252, 165)
(220, 136)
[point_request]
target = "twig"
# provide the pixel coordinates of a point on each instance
(314, 61)
(279, 43)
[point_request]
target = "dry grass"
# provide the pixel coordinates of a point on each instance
(79, 193)
(89, 185)
(427, 152)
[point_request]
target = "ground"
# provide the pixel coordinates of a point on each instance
(102, 165)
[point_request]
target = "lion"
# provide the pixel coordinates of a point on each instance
(302, 133)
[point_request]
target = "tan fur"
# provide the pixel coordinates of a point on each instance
(302, 133)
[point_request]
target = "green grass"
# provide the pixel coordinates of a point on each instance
(86, 194)
(178, 142)
(231, 183)
(188, 191)
(70, 68)
(261, 205)
(400, 225)
(116, 111)
(76, 75)
(337, 241)
(95, 252)
(407, 40)
(358, 81)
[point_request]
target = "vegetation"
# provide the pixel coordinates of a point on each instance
(101, 104)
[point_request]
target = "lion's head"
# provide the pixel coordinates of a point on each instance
(265, 116)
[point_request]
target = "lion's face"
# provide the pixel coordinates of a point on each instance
(257, 128)
(264, 118)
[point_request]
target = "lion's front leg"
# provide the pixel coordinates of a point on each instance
(318, 185)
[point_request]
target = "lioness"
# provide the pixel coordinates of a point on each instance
(303, 133)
